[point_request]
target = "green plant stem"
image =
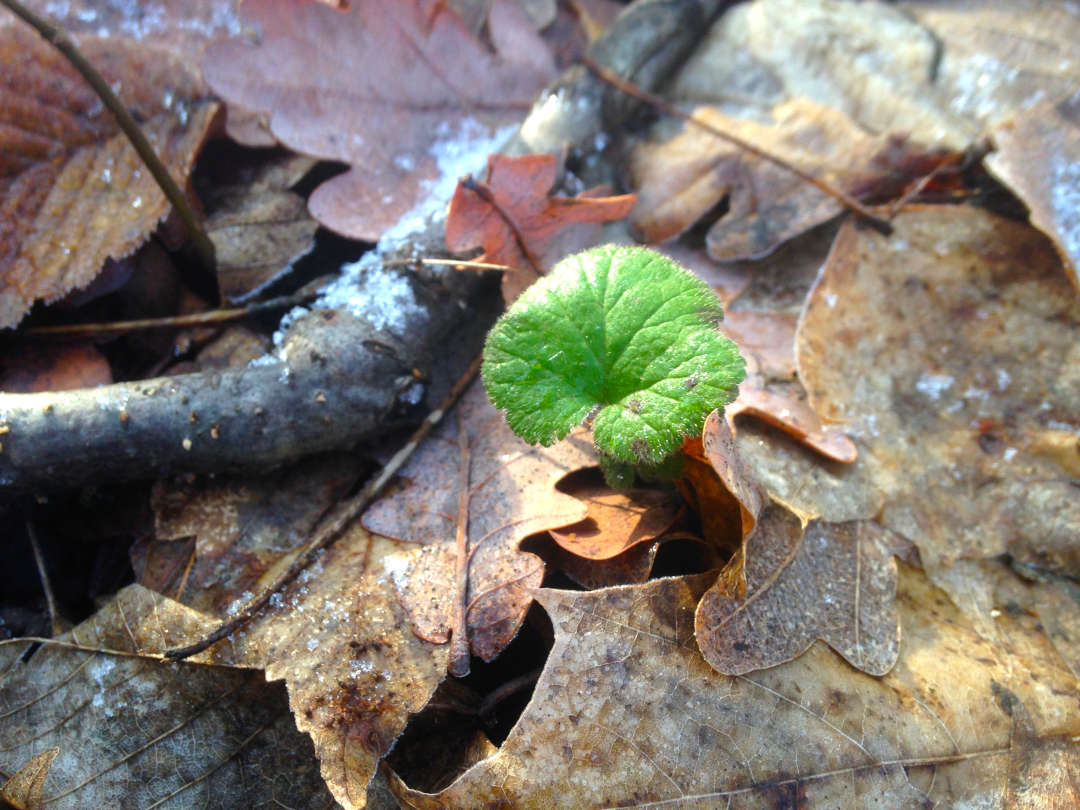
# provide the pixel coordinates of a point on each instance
(60, 40)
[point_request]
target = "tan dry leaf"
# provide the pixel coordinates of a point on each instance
(1047, 185)
(259, 227)
(628, 714)
(386, 88)
(830, 581)
(510, 493)
(951, 351)
(338, 636)
(681, 180)
(629, 568)
(24, 790)
(73, 192)
(135, 731)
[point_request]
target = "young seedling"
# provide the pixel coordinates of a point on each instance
(621, 338)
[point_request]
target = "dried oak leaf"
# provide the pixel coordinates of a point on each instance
(136, 732)
(514, 218)
(1048, 186)
(627, 713)
(833, 581)
(618, 519)
(499, 491)
(681, 180)
(386, 87)
(73, 192)
(338, 636)
(951, 351)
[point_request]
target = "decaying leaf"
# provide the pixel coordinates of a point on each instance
(497, 492)
(1049, 184)
(833, 581)
(679, 181)
(54, 368)
(24, 790)
(259, 227)
(73, 190)
(951, 352)
(133, 732)
(943, 727)
(390, 89)
(618, 519)
(339, 637)
(514, 218)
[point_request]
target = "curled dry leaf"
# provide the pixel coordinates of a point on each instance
(386, 88)
(74, 191)
(618, 519)
(940, 728)
(25, 788)
(134, 732)
(951, 351)
(497, 493)
(514, 218)
(338, 636)
(1048, 186)
(681, 180)
(833, 581)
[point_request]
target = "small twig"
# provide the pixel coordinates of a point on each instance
(60, 39)
(508, 689)
(331, 528)
(459, 637)
(449, 263)
(841, 196)
(74, 645)
(46, 586)
(211, 317)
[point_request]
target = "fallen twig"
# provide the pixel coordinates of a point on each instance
(330, 528)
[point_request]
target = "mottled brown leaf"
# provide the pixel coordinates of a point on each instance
(133, 731)
(833, 581)
(514, 218)
(681, 180)
(259, 227)
(338, 637)
(1048, 185)
(510, 493)
(72, 190)
(603, 730)
(951, 352)
(385, 87)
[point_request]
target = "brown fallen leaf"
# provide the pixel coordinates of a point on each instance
(134, 731)
(259, 227)
(631, 567)
(833, 581)
(513, 217)
(603, 730)
(681, 180)
(54, 368)
(74, 191)
(25, 788)
(387, 88)
(497, 493)
(617, 519)
(1049, 186)
(338, 636)
(951, 352)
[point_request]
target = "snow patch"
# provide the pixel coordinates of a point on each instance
(934, 385)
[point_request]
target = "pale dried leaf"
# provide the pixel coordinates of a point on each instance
(951, 351)
(603, 730)
(25, 788)
(830, 581)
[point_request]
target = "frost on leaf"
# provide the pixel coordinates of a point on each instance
(623, 330)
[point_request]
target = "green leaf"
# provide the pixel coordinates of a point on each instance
(622, 333)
